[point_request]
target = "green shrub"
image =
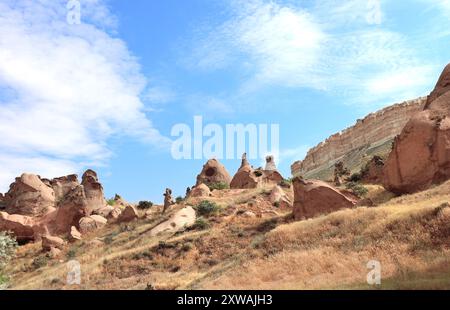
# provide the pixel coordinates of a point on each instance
(218, 186)
(286, 183)
(40, 261)
(201, 224)
(8, 245)
(179, 199)
(207, 208)
(357, 189)
(144, 205)
(111, 202)
(355, 177)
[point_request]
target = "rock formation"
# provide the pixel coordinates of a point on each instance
(184, 218)
(28, 195)
(247, 177)
(279, 198)
(129, 214)
(20, 225)
(213, 172)
(370, 136)
(313, 198)
(71, 209)
(421, 153)
(270, 164)
(91, 223)
(373, 171)
(63, 185)
(49, 242)
(74, 234)
(200, 191)
(168, 200)
(93, 190)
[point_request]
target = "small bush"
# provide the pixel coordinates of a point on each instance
(357, 189)
(179, 199)
(111, 202)
(8, 245)
(258, 173)
(355, 177)
(207, 208)
(201, 224)
(40, 261)
(71, 254)
(144, 205)
(187, 247)
(286, 183)
(218, 186)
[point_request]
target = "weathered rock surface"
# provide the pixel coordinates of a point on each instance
(49, 242)
(370, 136)
(92, 223)
(63, 185)
(373, 172)
(280, 198)
(93, 190)
(74, 234)
(213, 172)
(129, 214)
(70, 210)
(313, 198)
(20, 225)
(200, 190)
(184, 218)
(421, 153)
(28, 195)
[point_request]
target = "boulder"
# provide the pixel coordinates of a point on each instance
(129, 214)
(93, 191)
(313, 198)
(115, 213)
(70, 210)
(63, 185)
(186, 217)
(74, 234)
(105, 211)
(49, 242)
(55, 253)
(28, 195)
(20, 225)
(213, 172)
(280, 198)
(421, 153)
(92, 223)
(200, 190)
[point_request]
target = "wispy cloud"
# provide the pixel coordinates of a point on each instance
(71, 87)
(331, 45)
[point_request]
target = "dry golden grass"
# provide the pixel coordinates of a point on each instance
(409, 235)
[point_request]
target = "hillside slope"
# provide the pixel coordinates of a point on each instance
(409, 235)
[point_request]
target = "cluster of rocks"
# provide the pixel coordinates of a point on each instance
(40, 209)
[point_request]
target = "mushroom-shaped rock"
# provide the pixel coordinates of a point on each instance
(200, 190)
(129, 214)
(28, 195)
(245, 177)
(49, 242)
(93, 190)
(421, 153)
(213, 172)
(313, 198)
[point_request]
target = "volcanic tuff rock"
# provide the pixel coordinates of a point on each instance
(63, 185)
(313, 198)
(93, 190)
(421, 153)
(213, 172)
(200, 190)
(20, 225)
(129, 214)
(356, 145)
(28, 195)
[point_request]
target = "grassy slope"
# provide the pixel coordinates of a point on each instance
(409, 235)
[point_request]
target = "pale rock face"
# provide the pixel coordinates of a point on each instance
(129, 214)
(91, 223)
(313, 198)
(70, 210)
(200, 191)
(375, 129)
(278, 196)
(93, 190)
(20, 225)
(270, 164)
(28, 195)
(74, 235)
(184, 218)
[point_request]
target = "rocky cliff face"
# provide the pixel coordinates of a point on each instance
(370, 136)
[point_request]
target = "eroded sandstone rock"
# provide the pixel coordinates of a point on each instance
(71, 209)
(200, 190)
(279, 198)
(213, 172)
(93, 190)
(313, 198)
(184, 218)
(129, 214)
(28, 195)
(20, 225)
(63, 185)
(421, 153)
(49, 242)
(74, 234)
(91, 223)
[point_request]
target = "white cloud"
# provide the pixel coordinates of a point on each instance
(332, 45)
(71, 87)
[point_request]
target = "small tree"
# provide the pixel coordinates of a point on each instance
(8, 245)
(144, 205)
(207, 208)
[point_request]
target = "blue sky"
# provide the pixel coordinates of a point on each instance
(105, 94)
